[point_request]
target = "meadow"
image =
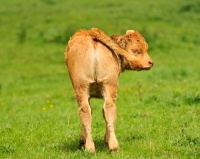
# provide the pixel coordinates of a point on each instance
(158, 111)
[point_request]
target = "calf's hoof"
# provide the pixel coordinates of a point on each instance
(113, 147)
(89, 146)
(115, 150)
(90, 149)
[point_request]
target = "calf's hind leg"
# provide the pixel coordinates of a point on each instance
(81, 95)
(109, 113)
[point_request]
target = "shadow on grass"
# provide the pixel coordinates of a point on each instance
(101, 146)
(69, 146)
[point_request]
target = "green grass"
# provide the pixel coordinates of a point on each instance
(157, 110)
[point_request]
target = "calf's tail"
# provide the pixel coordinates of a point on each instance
(106, 40)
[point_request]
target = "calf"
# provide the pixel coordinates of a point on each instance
(95, 61)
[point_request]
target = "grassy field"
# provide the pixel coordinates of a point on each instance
(158, 110)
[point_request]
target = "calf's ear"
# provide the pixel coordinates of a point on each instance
(130, 32)
(120, 40)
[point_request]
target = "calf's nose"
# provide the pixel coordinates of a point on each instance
(151, 62)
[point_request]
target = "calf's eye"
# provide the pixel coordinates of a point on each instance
(136, 51)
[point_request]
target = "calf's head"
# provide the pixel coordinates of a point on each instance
(134, 43)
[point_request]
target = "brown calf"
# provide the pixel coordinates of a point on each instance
(95, 61)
